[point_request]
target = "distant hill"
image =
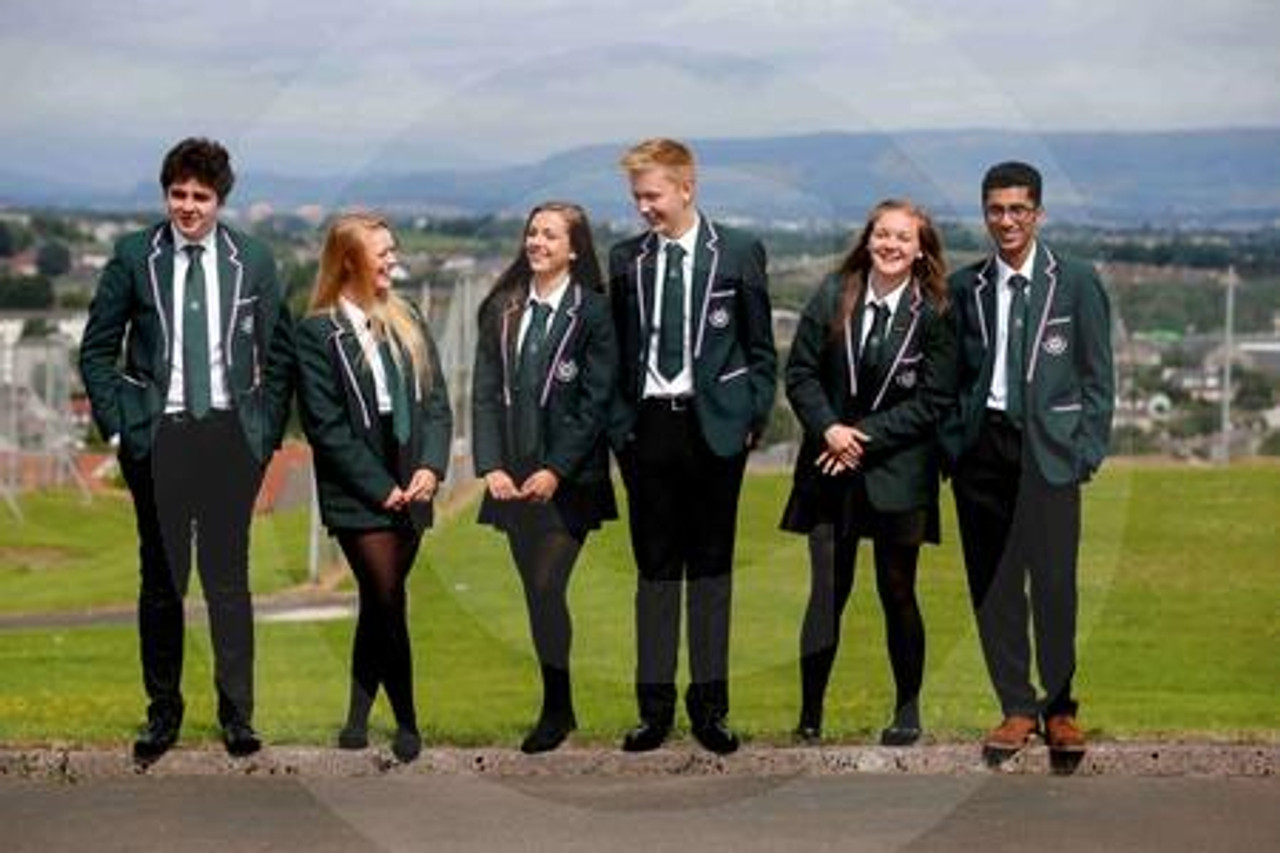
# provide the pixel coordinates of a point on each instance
(1191, 178)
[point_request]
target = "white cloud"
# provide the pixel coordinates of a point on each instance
(304, 86)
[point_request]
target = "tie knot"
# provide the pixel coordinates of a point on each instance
(1019, 283)
(540, 312)
(675, 253)
(193, 250)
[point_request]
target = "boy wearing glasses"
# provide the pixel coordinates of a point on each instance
(1032, 423)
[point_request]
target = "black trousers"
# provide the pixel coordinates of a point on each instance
(1015, 528)
(683, 502)
(198, 483)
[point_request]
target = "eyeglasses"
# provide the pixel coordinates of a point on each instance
(1016, 212)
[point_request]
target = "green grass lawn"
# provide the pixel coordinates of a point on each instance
(69, 555)
(1179, 625)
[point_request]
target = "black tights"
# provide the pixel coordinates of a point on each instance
(545, 557)
(832, 563)
(380, 655)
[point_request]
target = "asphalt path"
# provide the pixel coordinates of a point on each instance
(739, 813)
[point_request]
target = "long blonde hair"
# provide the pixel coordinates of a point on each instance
(344, 266)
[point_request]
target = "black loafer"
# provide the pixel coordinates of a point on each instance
(899, 736)
(156, 739)
(716, 737)
(353, 737)
(548, 734)
(406, 745)
(240, 740)
(645, 737)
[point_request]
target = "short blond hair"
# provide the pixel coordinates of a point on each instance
(659, 153)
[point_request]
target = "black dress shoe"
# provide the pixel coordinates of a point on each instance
(406, 745)
(160, 734)
(353, 737)
(645, 737)
(549, 733)
(716, 737)
(240, 740)
(808, 735)
(899, 736)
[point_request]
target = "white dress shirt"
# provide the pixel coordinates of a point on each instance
(681, 385)
(551, 300)
(998, 396)
(890, 300)
(220, 398)
(372, 355)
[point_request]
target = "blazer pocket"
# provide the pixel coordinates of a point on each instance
(245, 314)
(730, 375)
(137, 401)
(1057, 337)
(720, 308)
(1065, 407)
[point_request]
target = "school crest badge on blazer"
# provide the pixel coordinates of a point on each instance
(567, 370)
(1055, 344)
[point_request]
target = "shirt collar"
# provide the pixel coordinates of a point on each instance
(180, 242)
(891, 299)
(687, 241)
(359, 319)
(552, 299)
(1004, 272)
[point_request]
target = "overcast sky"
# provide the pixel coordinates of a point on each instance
(95, 95)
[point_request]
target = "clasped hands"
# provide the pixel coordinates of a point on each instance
(422, 487)
(540, 486)
(844, 450)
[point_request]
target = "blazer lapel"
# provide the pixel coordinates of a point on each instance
(706, 263)
(1044, 286)
(562, 326)
(853, 342)
(230, 283)
(643, 277)
(160, 277)
(510, 336)
(984, 295)
(902, 328)
(355, 367)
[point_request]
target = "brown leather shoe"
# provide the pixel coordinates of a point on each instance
(1063, 734)
(1011, 735)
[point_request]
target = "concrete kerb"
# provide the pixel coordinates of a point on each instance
(1106, 759)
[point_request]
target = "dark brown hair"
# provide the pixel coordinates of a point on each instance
(584, 268)
(202, 159)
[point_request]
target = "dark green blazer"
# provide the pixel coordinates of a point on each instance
(355, 471)
(575, 395)
(900, 412)
(1069, 375)
(734, 361)
(133, 308)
